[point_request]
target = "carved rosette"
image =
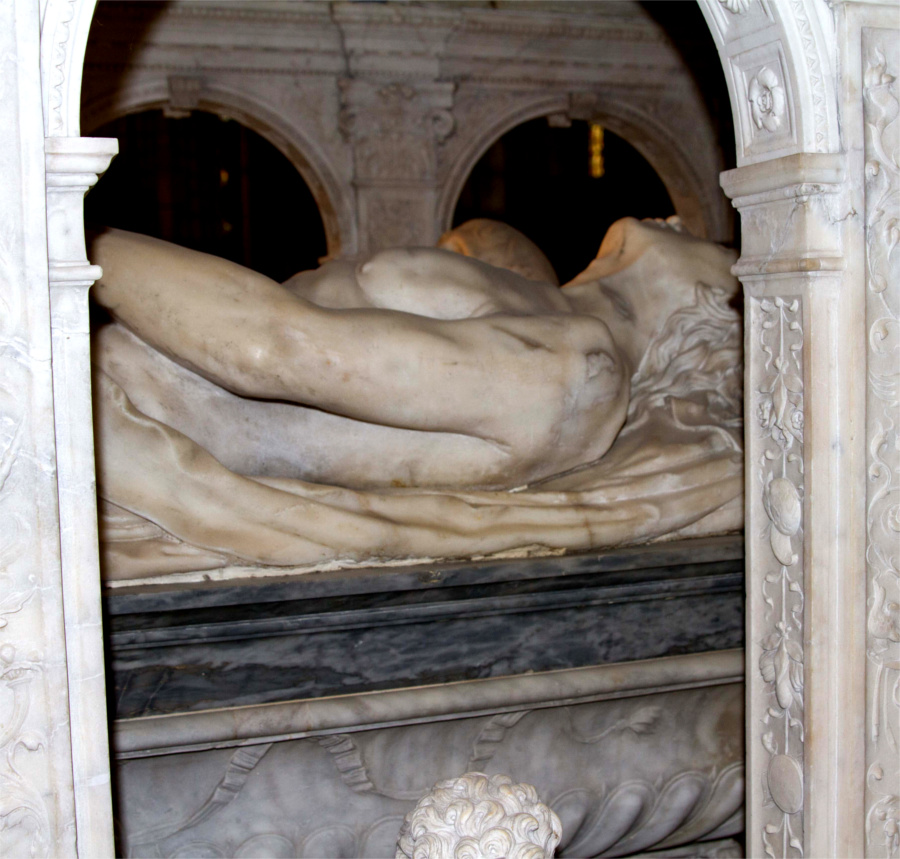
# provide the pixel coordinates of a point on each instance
(779, 416)
(881, 107)
(767, 98)
(736, 7)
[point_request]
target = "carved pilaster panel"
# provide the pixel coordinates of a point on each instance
(803, 399)
(775, 401)
(37, 812)
(396, 127)
(881, 108)
(396, 130)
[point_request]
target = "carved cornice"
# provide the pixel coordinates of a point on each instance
(195, 731)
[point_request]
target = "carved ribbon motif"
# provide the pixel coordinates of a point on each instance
(780, 470)
(881, 106)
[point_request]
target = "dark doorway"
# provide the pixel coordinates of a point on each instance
(212, 185)
(537, 179)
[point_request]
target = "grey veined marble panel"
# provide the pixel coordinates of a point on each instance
(193, 649)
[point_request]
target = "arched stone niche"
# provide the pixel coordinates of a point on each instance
(698, 202)
(814, 93)
(179, 95)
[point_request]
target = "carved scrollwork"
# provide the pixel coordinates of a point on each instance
(60, 42)
(780, 418)
(25, 821)
(881, 106)
(23, 811)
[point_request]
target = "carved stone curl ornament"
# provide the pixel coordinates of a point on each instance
(477, 815)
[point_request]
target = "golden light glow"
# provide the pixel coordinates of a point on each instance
(596, 150)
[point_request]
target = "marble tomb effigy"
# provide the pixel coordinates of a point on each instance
(333, 672)
(420, 405)
(419, 512)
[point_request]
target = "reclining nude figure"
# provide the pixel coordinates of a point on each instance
(388, 409)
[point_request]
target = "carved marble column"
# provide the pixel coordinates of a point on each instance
(73, 165)
(54, 774)
(396, 130)
(804, 400)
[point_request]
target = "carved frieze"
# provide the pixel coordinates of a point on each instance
(623, 776)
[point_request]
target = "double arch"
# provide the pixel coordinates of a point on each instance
(697, 202)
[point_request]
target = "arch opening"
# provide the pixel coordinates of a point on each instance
(537, 178)
(210, 184)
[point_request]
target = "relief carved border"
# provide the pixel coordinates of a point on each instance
(779, 471)
(880, 56)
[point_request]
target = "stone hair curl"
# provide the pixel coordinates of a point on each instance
(477, 815)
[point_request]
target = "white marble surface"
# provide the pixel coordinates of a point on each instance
(421, 404)
(871, 45)
(808, 226)
(55, 770)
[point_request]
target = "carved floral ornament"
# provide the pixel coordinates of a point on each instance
(780, 420)
(881, 102)
(767, 99)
